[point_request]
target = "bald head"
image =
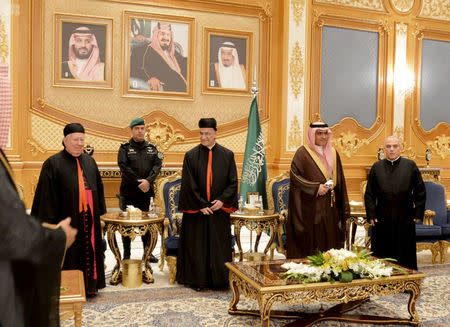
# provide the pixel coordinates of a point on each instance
(392, 147)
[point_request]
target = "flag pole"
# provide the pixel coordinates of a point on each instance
(255, 92)
(254, 88)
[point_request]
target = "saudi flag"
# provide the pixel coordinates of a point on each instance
(254, 169)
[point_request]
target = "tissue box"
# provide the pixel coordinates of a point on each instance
(134, 213)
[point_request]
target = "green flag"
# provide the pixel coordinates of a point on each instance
(254, 169)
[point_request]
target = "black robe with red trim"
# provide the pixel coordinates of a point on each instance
(205, 240)
(57, 197)
(314, 224)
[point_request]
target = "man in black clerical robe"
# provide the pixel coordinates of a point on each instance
(70, 185)
(30, 260)
(207, 197)
(317, 210)
(395, 200)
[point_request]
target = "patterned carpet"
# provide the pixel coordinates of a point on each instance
(180, 306)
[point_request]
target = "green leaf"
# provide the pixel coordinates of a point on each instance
(346, 276)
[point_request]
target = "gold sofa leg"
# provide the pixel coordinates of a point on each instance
(444, 245)
(433, 247)
(172, 263)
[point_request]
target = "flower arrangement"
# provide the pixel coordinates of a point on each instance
(339, 265)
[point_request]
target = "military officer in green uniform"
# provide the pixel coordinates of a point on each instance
(139, 162)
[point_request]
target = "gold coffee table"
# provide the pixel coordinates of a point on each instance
(114, 221)
(255, 222)
(262, 282)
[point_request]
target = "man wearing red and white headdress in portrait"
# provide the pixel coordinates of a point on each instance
(84, 57)
(318, 201)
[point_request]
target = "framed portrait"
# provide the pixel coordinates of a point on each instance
(83, 51)
(158, 56)
(228, 65)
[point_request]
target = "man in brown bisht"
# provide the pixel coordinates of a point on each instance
(318, 201)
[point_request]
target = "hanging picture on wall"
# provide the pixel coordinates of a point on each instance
(83, 54)
(159, 54)
(227, 68)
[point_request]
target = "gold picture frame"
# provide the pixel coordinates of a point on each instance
(83, 51)
(158, 56)
(227, 68)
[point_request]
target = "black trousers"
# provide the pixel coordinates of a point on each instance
(142, 204)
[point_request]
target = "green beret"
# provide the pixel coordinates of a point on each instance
(137, 121)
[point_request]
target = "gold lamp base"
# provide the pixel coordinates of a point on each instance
(132, 273)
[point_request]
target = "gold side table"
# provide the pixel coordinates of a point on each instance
(72, 295)
(114, 221)
(255, 222)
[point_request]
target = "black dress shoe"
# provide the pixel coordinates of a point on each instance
(197, 288)
(153, 259)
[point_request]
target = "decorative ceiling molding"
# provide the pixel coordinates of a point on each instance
(402, 6)
(362, 4)
(437, 9)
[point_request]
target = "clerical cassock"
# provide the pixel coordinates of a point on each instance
(30, 261)
(316, 222)
(209, 173)
(71, 186)
(395, 196)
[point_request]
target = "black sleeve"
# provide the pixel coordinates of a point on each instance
(190, 198)
(100, 192)
(154, 172)
(44, 205)
(419, 194)
(370, 195)
(229, 194)
(23, 237)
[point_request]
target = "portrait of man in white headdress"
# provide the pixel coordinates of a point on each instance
(228, 72)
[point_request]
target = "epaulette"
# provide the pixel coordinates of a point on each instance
(126, 143)
(151, 144)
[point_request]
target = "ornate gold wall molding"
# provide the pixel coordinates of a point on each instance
(4, 47)
(35, 148)
(437, 9)
(384, 27)
(362, 4)
(295, 132)
(407, 151)
(441, 145)
(296, 70)
(348, 143)
(298, 7)
(268, 8)
(402, 6)
(162, 134)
